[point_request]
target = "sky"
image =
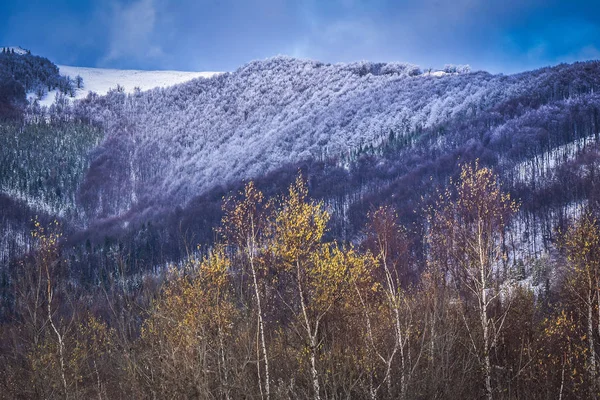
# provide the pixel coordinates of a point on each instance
(504, 36)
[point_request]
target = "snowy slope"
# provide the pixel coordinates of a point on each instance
(167, 146)
(188, 138)
(100, 80)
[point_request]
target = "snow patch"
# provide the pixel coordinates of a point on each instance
(438, 73)
(100, 80)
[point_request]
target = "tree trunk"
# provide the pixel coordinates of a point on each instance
(483, 269)
(313, 367)
(251, 250)
(590, 337)
(312, 335)
(58, 336)
(486, 351)
(261, 329)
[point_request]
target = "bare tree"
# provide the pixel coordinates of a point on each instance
(243, 225)
(582, 244)
(473, 216)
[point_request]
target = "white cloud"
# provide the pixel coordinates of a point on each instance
(132, 29)
(340, 39)
(336, 38)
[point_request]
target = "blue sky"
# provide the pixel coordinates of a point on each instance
(221, 35)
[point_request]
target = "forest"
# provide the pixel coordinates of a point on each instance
(274, 309)
(147, 171)
(296, 229)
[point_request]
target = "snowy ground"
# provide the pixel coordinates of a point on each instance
(435, 73)
(101, 80)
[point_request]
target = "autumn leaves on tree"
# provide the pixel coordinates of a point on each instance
(276, 310)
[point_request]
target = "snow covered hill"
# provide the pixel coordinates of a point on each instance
(100, 80)
(372, 132)
(181, 141)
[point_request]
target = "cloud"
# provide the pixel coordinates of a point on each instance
(132, 33)
(336, 31)
(500, 36)
(341, 40)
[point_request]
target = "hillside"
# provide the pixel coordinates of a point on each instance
(365, 133)
(437, 229)
(22, 73)
(180, 142)
(100, 80)
(279, 111)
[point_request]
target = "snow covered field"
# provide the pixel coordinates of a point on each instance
(100, 80)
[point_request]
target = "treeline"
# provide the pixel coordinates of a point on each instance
(35, 73)
(25, 73)
(275, 310)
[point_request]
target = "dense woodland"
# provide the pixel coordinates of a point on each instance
(25, 73)
(122, 170)
(274, 310)
(296, 229)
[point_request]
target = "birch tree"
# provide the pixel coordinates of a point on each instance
(389, 244)
(320, 273)
(473, 215)
(582, 245)
(187, 340)
(243, 226)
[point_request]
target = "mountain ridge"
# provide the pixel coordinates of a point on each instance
(363, 133)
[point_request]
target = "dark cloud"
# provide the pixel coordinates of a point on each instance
(500, 36)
